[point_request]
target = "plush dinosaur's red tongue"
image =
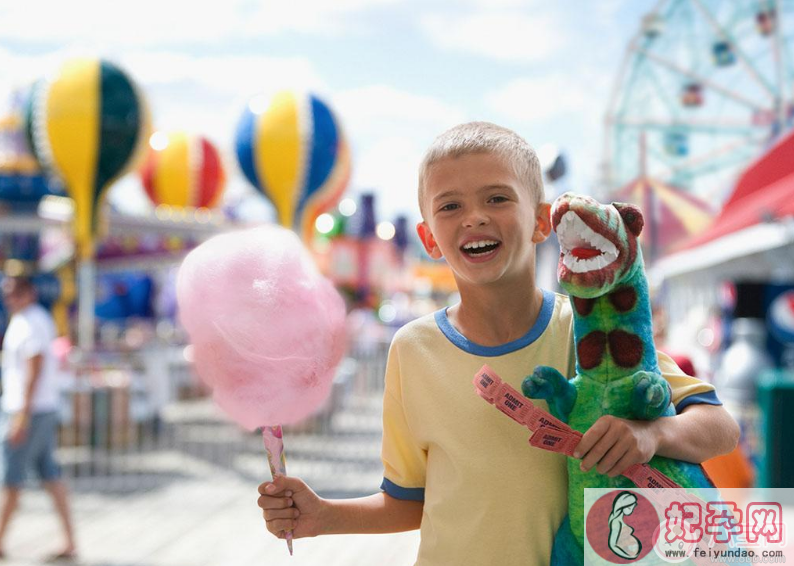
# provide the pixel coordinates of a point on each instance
(585, 253)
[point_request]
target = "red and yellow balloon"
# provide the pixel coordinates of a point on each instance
(183, 170)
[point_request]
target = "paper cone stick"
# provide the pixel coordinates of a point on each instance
(274, 444)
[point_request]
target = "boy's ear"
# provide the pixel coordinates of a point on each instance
(428, 241)
(542, 223)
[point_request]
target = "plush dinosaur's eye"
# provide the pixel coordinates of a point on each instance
(630, 218)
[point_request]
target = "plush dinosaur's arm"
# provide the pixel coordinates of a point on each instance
(549, 384)
(650, 396)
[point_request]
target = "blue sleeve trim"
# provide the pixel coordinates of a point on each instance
(707, 398)
(398, 492)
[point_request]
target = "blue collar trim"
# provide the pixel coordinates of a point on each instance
(544, 316)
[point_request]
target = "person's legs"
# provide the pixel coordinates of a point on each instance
(50, 474)
(10, 503)
(57, 489)
(13, 464)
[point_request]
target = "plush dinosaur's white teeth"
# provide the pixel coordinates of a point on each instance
(584, 265)
(572, 232)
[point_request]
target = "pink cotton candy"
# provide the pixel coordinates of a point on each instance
(267, 329)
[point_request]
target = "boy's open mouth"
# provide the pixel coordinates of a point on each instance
(583, 249)
(480, 247)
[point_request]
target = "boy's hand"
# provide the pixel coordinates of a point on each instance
(613, 445)
(288, 504)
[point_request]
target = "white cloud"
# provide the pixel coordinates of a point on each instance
(607, 11)
(228, 73)
(499, 3)
(145, 22)
(368, 109)
(311, 16)
(542, 98)
(563, 109)
(390, 129)
(175, 22)
(198, 94)
(389, 167)
(20, 70)
(507, 35)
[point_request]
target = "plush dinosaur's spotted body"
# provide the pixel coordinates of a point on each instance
(617, 372)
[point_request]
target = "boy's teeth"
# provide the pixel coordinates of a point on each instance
(479, 244)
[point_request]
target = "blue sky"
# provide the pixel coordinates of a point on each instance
(397, 72)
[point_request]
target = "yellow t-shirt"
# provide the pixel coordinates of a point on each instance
(489, 498)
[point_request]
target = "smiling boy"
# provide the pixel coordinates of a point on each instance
(453, 466)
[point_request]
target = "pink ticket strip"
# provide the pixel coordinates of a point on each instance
(548, 432)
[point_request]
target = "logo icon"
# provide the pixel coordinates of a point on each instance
(622, 541)
(622, 527)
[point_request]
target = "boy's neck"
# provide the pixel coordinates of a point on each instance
(491, 318)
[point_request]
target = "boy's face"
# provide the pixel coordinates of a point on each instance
(482, 219)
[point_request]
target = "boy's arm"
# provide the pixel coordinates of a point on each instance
(700, 432)
(378, 513)
(289, 504)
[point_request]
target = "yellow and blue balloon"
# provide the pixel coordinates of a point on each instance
(292, 149)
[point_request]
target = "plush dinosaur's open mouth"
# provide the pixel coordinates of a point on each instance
(582, 248)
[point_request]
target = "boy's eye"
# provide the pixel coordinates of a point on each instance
(498, 198)
(450, 206)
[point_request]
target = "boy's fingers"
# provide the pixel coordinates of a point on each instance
(281, 485)
(269, 502)
(623, 464)
(277, 525)
(597, 452)
(612, 457)
(273, 514)
(590, 438)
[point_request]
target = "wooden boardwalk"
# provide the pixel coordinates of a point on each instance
(193, 522)
(192, 501)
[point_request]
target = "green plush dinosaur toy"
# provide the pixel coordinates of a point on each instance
(617, 373)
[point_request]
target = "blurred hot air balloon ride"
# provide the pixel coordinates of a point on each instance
(183, 170)
(292, 149)
(88, 125)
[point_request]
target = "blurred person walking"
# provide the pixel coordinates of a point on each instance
(29, 407)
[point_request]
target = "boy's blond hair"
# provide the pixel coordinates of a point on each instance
(484, 137)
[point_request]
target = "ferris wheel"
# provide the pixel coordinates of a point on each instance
(705, 87)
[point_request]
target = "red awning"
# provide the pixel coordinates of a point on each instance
(764, 193)
(671, 215)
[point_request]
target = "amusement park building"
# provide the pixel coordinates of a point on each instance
(751, 241)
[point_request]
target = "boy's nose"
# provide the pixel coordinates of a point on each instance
(475, 218)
